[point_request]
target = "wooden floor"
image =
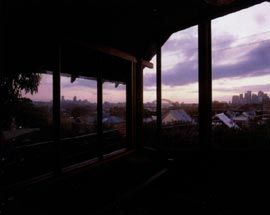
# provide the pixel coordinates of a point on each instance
(222, 183)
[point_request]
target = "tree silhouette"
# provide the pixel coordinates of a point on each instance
(11, 87)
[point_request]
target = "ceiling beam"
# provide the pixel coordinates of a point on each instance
(116, 53)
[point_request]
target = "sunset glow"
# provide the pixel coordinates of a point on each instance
(240, 58)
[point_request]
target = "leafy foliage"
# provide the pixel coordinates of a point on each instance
(11, 87)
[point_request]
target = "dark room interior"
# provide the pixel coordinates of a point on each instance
(82, 134)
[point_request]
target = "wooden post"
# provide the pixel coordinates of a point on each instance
(100, 114)
(159, 95)
(139, 105)
(205, 84)
(56, 110)
(3, 39)
(130, 107)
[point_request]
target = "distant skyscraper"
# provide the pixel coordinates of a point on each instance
(260, 96)
(250, 98)
(254, 99)
(63, 98)
(75, 98)
(263, 97)
(241, 99)
(247, 97)
(260, 93)
(235, 100)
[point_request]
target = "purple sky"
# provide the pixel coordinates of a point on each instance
(241, 62)
(241, 58)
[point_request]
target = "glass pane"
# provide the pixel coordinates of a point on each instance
(26, 126)
(180, 90)
(114, 117)
(78, 119)
(149, 106)
(241, 80)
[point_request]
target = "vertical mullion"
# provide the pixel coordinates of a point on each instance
(205, 84)
(130, 107)
(100, 114)
(3, 39)
(159, 95)
(134, 104)
(56, 110)
(139, 105)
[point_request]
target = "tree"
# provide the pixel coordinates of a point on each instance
(11, 87)
(118, 111)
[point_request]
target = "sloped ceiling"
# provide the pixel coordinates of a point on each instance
(34, 28)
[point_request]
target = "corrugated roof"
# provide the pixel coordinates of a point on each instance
(178, 115)
(226, 120)
(112, 120)
(241, 118)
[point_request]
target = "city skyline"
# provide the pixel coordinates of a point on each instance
(240, 44)
(243, 96)
(250, 98)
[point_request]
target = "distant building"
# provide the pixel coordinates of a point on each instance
(75, 98)
(149, 119)
(241, 120)
(266, 108)
(250, 98)
(177, 116)
(236, 100)
(265, 98)
(250, 114)
(231, 114)
(110, 120)
(254, 99)
(221, 118)
(247, 98)
(241, 99)
(260, 94)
